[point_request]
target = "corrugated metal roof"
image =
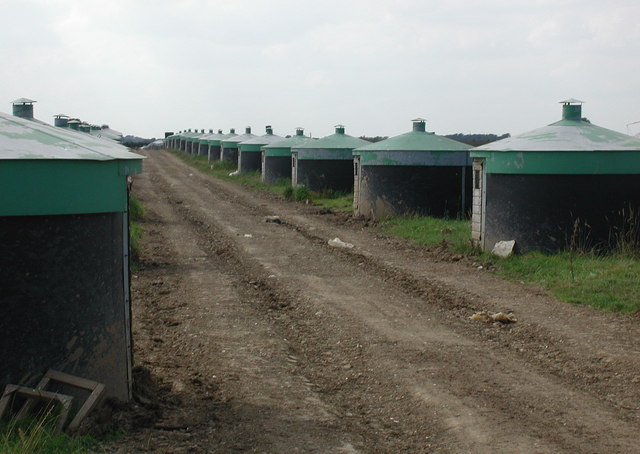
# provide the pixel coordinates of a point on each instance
(566, 135)
(572, 133)
(339, 140)
(238, 139)
(290, 142)
(262, 140)
(25, 139)
(415, 141)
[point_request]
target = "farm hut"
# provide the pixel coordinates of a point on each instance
(325, 163)
(543, 187)
(193, 141)
(215, 141)
(173, 141)
(74, 123)
(179, 140)
(61, 120)
(202, 145)
(250, 151)
(84, 127)
(229, 146)
(185, 137)
(414, 173)
(276, 157)
(64, 256)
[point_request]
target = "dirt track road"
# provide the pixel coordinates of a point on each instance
(262, 338)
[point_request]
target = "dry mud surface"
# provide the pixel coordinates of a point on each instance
(253, 336)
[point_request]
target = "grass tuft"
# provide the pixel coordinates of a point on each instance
(38, 436)
(428, 231)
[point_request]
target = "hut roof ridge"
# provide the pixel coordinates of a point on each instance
(416, 141)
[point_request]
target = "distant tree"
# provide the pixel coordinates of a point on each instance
(135, 142)
(374, 139)
(475, 140)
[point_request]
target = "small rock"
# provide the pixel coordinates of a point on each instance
(177, 386)
(504, 248)
(248, 235)
(337, 242)
(273, 219)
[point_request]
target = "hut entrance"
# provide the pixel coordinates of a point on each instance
(294, 171)
(477, 217)
(356, 182)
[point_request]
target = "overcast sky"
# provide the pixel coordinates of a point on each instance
(486, 66)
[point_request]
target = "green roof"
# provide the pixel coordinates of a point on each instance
(338, 146)
(45, 170)
(416, 140)
(232, 142)
(338, 140)
(283, 147)
(569, 146)
(256, 143)
(566, 135)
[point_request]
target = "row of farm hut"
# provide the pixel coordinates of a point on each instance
(538, 188)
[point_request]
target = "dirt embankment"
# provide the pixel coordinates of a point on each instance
(260, 337)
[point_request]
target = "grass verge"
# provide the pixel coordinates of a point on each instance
(37, 436)
(607, 282)
(610, 282)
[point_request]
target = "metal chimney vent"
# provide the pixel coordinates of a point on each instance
(571, 109)
(419, 124)
(23, 108)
